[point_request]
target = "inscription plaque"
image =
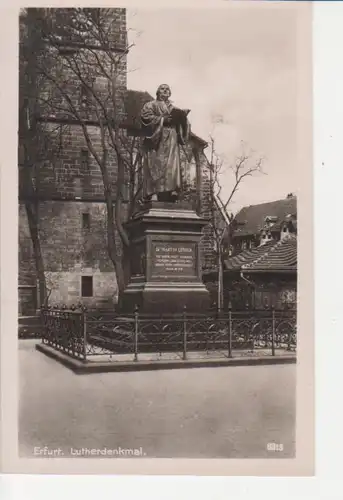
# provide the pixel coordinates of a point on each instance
(170, 259)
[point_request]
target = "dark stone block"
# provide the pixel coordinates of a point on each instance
(165, 260)
(166, 298)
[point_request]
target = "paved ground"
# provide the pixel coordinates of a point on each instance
(230, 412)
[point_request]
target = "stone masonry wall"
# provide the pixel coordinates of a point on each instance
(65, 242)
(69, 252)
(74, 172)
(65, 288)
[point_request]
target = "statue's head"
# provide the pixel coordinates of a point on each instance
(163, 92)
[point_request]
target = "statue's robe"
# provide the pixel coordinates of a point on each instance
(161, 167)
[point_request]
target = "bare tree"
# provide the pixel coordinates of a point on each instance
(37, 143)
(87, 85)
(222, 222)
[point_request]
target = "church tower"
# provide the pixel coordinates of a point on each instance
(67, 182)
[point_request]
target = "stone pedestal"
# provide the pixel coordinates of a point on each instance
(165, 261)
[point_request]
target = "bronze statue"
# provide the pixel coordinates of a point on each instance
(166, 128)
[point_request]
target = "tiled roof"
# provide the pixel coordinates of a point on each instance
(236, 262)
(251, 219)
(273, 256)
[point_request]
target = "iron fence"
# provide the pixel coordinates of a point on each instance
(65, 330)
(83, 335)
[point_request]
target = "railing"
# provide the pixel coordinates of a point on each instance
(65, 330)
(83, 335)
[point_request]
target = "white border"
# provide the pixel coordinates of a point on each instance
(328, 135)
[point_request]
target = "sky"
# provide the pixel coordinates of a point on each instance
(236, 69)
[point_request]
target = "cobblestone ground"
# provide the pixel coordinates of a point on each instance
(228, 412)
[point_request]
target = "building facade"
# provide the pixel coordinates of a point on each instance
(261, 270)
(261, 221)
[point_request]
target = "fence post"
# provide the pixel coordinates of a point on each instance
(230, 331)
(184, 333)
(273, 330)
(136, 314)
(84, 320)
(42, 322)
(289, 340)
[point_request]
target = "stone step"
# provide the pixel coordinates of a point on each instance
(29, 326)
(29, 332)
(29, 320)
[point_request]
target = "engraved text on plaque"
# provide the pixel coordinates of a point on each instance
(174, 259)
